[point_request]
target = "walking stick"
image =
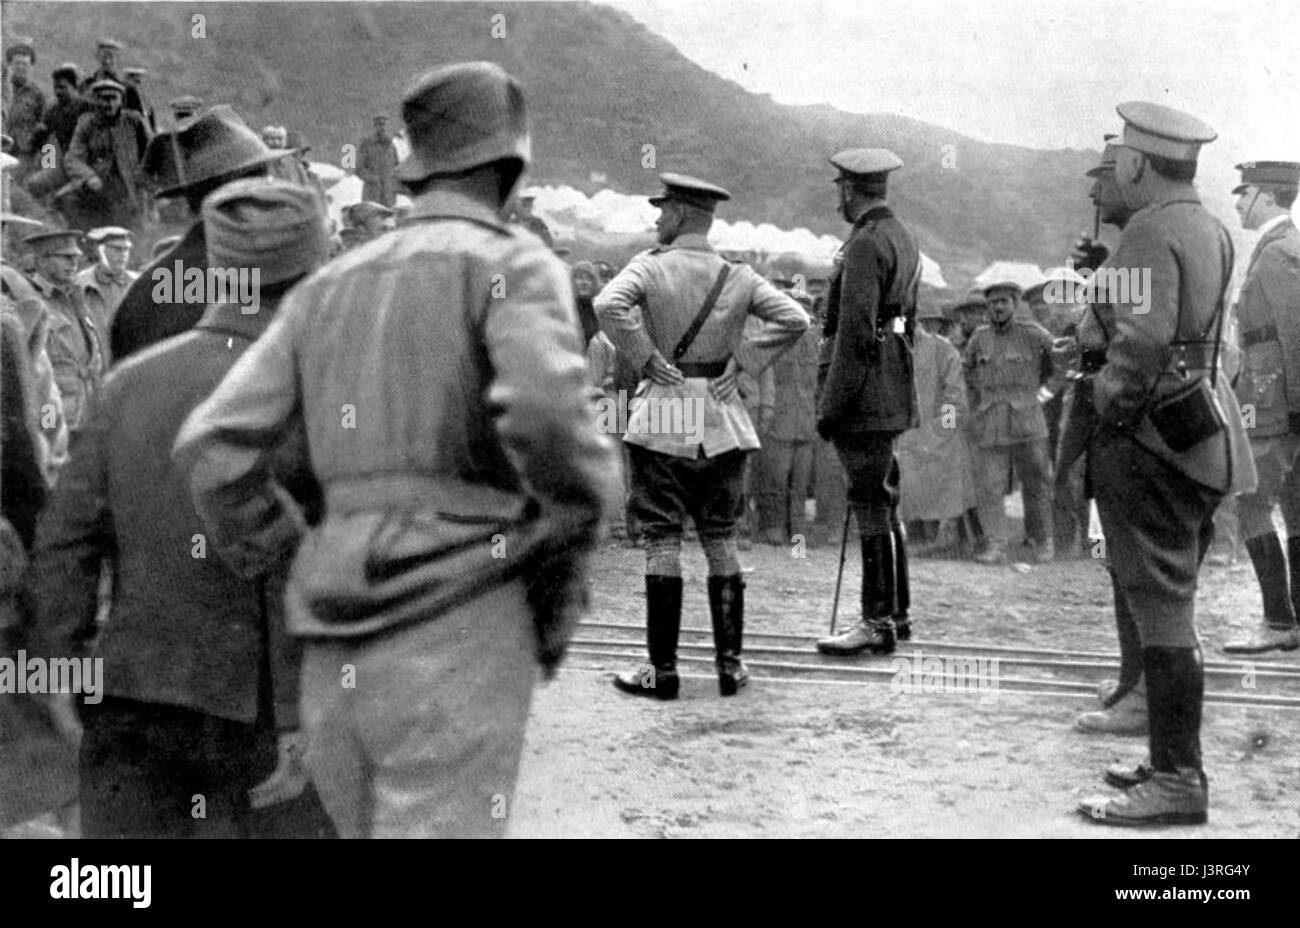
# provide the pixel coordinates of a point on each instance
(839, 576)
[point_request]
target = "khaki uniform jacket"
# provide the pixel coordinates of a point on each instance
(866, 378)
(1188, 255)
(76, 348)
(670, 284)
(111, 150)
(103, 293)
(47, 403)
(1004, 370)
(439, 376)
(1268, 312)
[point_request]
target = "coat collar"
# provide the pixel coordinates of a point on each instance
(692, 241)
(446, 204)
(229, 319)
(876, 212)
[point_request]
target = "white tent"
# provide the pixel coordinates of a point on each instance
(1017, 272)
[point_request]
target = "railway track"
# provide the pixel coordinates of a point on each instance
(971, 667)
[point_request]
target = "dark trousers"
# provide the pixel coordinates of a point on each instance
(156, 771)
(1158, 526)
(666, 489)
(872, 471)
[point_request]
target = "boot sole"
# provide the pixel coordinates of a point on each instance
(866, 648)
(1154, 821)
(1272, 647)
(1122, 782)
(661, 693)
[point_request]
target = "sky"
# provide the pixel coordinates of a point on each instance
(1044, 74)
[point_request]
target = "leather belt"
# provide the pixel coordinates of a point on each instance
(1258, 336)
(708, 369)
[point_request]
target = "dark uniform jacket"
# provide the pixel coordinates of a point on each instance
(1268, 313)
(141, 322)
(60, 122)
(183, 630)
(866, 372)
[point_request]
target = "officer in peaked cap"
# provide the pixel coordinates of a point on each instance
(1168, 447)
(678, 313)
(1268, 316)
(75, 342)
(867, 390)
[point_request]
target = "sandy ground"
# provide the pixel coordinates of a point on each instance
(793, 757)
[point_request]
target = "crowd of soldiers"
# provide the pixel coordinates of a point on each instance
(255, 518)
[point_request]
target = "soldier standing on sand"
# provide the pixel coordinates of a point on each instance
(688, 338)
(868, 390)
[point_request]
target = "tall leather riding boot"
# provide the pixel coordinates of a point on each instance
(1279, 630)
(879, 589)
(663, 625)
(1176, 791)
(727, 608)
(875, 632)
(902, 587)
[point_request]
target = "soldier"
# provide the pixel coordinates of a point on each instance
(968, 313)
(59, 121)
(688, 340)
(75, 342)
(1123, 701)
(1165, 452)
(213, 149)
(789, 435)
(1268, 313)
(104, 160)
(463, 487)
(376, 159)
(1009, 371)
(200, 680)
(867, 387)
(24, 104)
(106, 52)
(105, 283)
(275, 136)
(934, 461)
(585, 287)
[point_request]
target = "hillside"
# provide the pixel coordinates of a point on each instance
(601, 86)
